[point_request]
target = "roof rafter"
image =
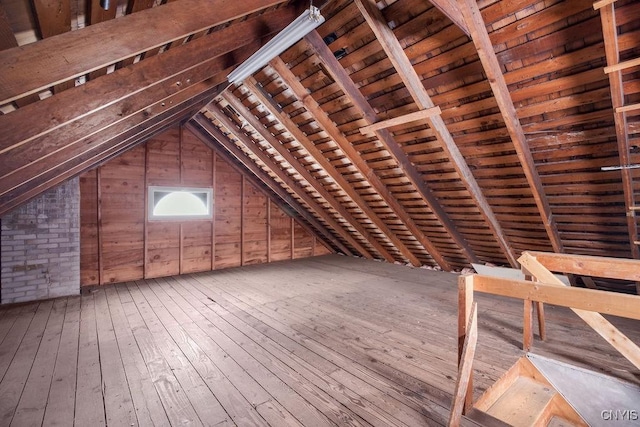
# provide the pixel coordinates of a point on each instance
(338, 137)
(335, 175)
(451, 10)
(414, 85)
(293, 186)
(213, 138)
(103, 146)
(385, 137)
(101, 110)
(609, 30)
(37, 66)
(244, 111)
(489, 60)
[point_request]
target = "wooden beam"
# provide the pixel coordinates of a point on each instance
(300, 169)
(451, 10)
(627, 108)
(489, 60)
(414, 85)
(610, 35)
(465, 305)
(332, 130)
(619, 66)
(583, 302)
(37, 66)
(95, 148)
(550, 291)
(606, 267)
(465, 369)
(293, 185)
(108, 105)
(340, 76)
(118, 88)
(602, 3)
(407, 118)
(208, 133)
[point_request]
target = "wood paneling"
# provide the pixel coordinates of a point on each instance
(119, 244)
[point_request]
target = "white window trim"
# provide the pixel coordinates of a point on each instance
(155, 188)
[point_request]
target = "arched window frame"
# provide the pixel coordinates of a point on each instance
(154, 193)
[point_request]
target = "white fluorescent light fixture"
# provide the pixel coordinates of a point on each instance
(286, 38)
(617, 168)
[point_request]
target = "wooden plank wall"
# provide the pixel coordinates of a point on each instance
(119, 244)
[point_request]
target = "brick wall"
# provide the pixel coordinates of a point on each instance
(40, 256)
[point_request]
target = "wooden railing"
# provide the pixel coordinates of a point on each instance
(545, 287)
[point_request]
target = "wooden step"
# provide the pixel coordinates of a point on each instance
(559, 422)
(523, 403)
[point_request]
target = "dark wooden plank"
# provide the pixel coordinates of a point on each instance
(75, 53)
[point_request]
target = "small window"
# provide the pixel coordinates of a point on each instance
(180, 203)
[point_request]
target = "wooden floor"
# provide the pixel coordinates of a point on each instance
(323, 341)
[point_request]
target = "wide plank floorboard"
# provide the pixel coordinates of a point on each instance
(324, 341)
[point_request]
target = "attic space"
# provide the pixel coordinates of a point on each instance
(325, 212)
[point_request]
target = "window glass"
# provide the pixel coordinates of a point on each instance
(180, 203)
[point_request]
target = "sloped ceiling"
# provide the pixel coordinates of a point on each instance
(515, 117)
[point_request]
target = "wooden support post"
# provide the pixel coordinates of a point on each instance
(242, 191)
(99, 219)
(293, 238)
(542, 326)
(527, 325)
(214, 159)
(539, 310)
(464, 390)
(269, 229)
(465, 303)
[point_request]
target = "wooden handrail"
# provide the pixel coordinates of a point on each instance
(623, 305)
(610, 268)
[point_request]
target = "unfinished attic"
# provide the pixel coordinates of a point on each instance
(325, 213)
